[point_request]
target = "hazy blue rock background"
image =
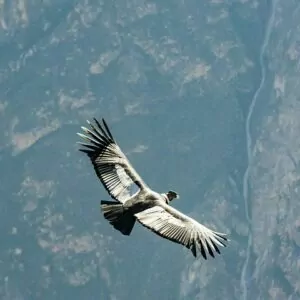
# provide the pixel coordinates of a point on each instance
(203, 96)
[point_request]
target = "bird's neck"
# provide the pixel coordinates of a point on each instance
(166, 198)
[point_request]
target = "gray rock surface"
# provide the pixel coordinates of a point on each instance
(203, 96)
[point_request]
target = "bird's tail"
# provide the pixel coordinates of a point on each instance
(121, 219)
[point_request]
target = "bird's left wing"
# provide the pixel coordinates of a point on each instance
(110, 163)
(170, 224)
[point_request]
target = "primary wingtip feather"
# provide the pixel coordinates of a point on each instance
(82, 136)
(84, 129)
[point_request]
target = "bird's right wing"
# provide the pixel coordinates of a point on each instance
(111, 165)
(170, 224)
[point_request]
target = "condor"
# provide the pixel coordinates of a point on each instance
(148, 207)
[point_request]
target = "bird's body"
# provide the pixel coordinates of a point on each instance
(143, 200)
(150, 208)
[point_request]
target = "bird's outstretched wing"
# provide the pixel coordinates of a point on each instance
(170, 224)
(111, 165)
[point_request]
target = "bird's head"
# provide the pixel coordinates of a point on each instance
(172, 195)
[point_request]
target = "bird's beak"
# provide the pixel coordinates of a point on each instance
(177, 197)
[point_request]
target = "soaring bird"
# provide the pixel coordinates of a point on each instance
(134, 200)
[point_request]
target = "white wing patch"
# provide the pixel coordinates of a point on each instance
(111, 165)
(185, 231)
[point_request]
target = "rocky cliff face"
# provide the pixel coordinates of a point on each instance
(203, 97)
